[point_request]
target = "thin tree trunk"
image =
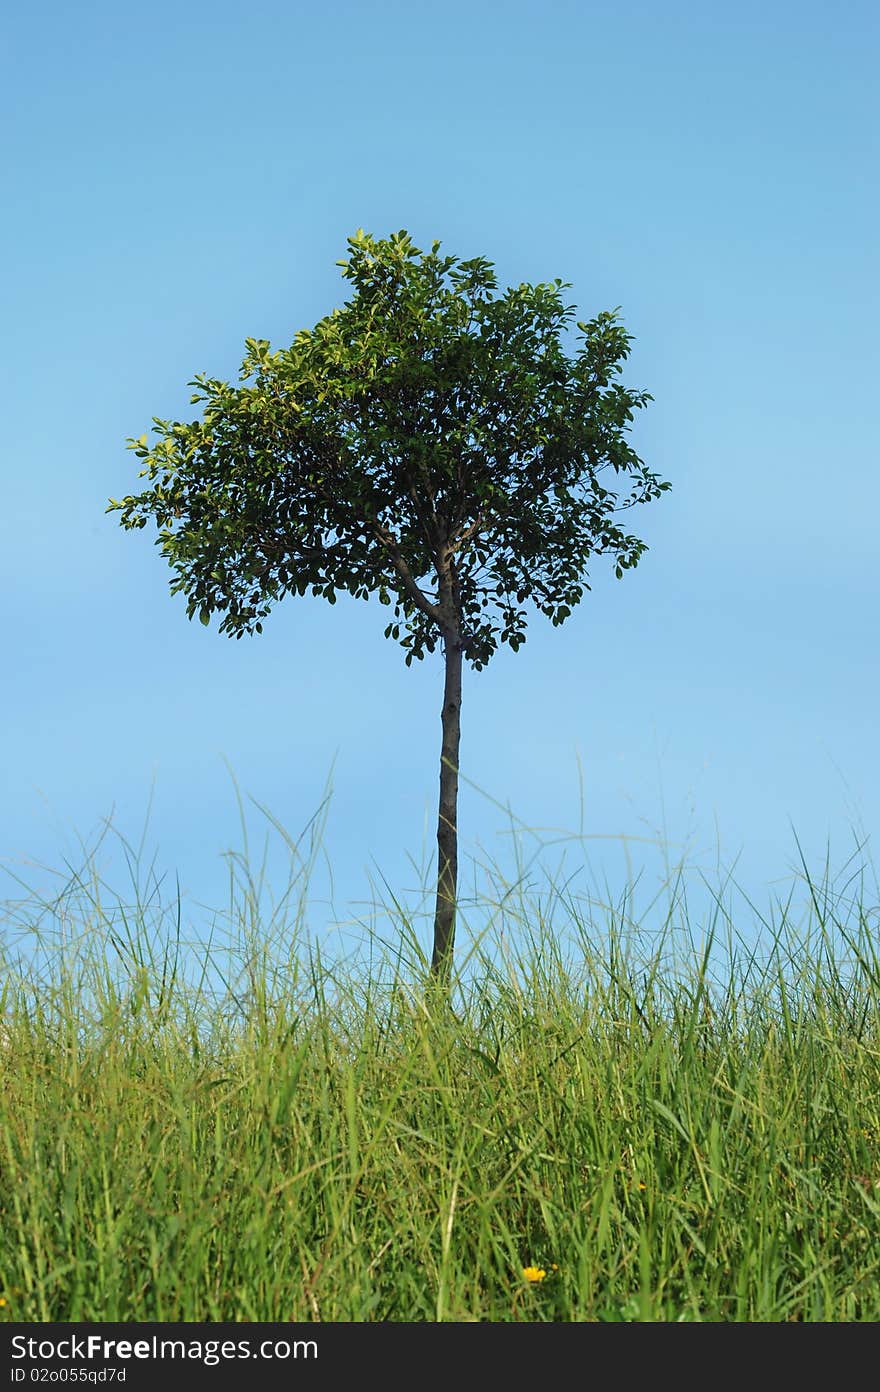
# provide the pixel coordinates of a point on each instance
(447, 822)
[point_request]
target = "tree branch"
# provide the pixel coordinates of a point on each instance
(432, 611)
(459, 541)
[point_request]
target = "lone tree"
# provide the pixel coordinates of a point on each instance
(432, 443)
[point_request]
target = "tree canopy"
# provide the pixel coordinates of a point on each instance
(428, 415)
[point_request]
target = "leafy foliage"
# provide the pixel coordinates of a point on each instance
(430, 442)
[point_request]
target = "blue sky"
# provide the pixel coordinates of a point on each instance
(179, 177)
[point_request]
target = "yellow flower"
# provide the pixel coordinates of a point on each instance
(534, 1273)
(2, 1301)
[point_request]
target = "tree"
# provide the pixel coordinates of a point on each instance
(431, 443)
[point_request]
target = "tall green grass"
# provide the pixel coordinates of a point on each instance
(681, 1125)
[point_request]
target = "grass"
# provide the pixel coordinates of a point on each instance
(676, 1127)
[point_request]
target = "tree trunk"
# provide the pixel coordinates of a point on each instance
(447, 822)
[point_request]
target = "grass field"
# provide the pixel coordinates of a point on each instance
(626, 1129)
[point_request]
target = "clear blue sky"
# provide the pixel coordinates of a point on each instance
(181, 176)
